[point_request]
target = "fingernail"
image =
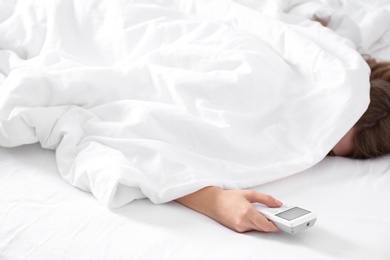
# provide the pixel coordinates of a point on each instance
(278, 203)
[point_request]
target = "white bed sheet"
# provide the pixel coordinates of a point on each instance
(43, 217)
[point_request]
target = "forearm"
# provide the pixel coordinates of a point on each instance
(203, 201)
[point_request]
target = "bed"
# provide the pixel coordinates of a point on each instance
(43, 217)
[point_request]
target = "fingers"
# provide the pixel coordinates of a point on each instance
(261, 223)
(249, 218)
(254, 196)
(252, 221)
(258, 221)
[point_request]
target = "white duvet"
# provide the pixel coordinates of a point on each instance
(157, 99)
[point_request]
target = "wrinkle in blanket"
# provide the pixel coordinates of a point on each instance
(181, 97)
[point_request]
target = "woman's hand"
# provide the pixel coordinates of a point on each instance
(232, 208)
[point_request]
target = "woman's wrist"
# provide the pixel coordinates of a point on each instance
(203, 200)
(232, 208)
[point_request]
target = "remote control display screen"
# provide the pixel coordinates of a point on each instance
(293, 213)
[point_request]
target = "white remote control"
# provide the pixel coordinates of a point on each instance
(290, 219)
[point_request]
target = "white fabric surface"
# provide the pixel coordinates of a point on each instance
(161, 98)
(365, 23)
(42, 217)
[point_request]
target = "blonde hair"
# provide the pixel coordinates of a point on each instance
(372, 131)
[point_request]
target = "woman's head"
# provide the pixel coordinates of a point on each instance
(379, 70)
(371, 135)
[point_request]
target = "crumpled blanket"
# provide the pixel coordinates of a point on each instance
(159, 98)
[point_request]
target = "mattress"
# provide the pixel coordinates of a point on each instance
(43, 217)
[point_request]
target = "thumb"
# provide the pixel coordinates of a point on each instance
(254, 196)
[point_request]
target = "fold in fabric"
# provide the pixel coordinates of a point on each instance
(158, 99)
